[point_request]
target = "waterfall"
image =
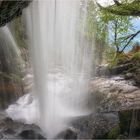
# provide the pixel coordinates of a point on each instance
(62, 62)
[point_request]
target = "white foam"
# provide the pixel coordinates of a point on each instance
(24, 110)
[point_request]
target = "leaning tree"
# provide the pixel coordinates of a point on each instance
(124, 8)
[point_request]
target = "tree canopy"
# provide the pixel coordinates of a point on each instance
(124, 8)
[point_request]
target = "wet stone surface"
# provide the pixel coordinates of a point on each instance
(91, 126)
(116, 93)
(112, 95)
(10, 129)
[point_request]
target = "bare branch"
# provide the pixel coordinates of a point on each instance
(123, 9)
(131, 38)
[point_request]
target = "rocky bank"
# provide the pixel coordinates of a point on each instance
(117, 104)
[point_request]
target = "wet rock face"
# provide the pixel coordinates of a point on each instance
(117, 93)
(122, 96)
(94, 126)
(67, 134)
(30, 134)
(105, 70)
(11, 9)
(10, 71)
(10, 129)
(9, 92)
(130, 70)
(137, 76)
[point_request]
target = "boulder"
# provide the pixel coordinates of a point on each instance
(10, 129)
(11, 9)
(105, 70)
(30, 134)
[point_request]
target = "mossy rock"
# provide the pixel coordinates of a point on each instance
(120, 59)
(136, 57)
(123, 9)
(114, 132)
(130, 122)
(11, 9)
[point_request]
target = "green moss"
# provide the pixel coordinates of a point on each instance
(114, 132)
(120, 59)
(15, 77)
(125, 9)
(136, 57)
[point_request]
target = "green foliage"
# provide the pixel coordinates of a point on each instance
(110, 54)
(96, 31)
(119, 59)
(102, 27)
(95, 28)
(110, 32)
(114, 132)
(136, 57)
(12, 76)
(90, 21)
(120, 28)
(92, 32)
(122, 58)
(20, 32)
(127, 8)
(119, 31)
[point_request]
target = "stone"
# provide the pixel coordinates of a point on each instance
(10, 129)
(128, 76)
(105, 70)
(102, 70)
(95, 126)
(11, 9)
(137, 77)
(116, 92)
(30, 134)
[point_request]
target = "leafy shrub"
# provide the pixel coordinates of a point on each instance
(120, 59)
(136, 57)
